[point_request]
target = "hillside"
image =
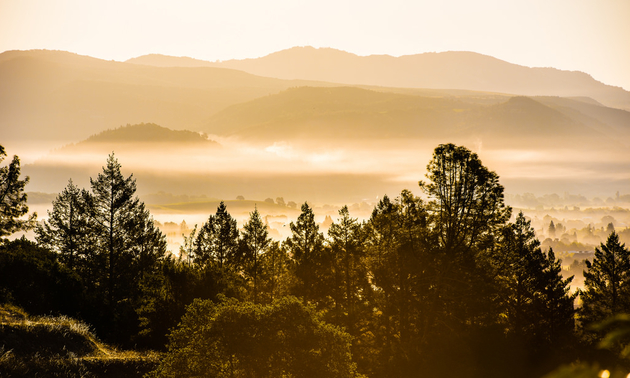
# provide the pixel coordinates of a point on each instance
(61, 97)
(61, 347)
(453, 69)
(354, 114)
(141, 137)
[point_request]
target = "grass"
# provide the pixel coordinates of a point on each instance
(62, 347)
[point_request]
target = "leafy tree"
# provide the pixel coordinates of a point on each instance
(306, 246)
(254, 241)
(12, 198)
(217, 240)
(67, 230)
(606, 282)
(466, 200)
(242, 339)
(32, 277)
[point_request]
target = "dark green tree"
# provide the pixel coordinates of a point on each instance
(606, 282)
(128, 247)
(351, 290)
(12, 198)
(306, 247)
(274, 263)
(538, 308)
(255, 241)
(400, 266)
(67, 230)
(217, 241)
(242, 339)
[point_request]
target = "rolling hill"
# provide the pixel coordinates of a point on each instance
(64, 97)
(452, 69)
(347, 113)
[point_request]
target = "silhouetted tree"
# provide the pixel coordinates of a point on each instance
(217, 241)
(67, 230)
(12, 198)
(306, 247)
(606, 282)
(242, 339)
(552, 230)
(254, 243)
(351, 288)
(128, 245)
(538, 305)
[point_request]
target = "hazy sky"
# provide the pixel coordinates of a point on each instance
(586, 35)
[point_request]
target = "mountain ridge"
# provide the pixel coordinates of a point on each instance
(433, 70)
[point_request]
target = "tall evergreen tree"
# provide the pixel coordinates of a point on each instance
(606, 282)
(538, 305)
(217, 241)
(400, 268)
(306, 247)
(129, 245)
(254, 243)
(67, 230)
(351, 288)
(12, 198)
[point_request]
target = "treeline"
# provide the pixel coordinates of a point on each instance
(445, 286)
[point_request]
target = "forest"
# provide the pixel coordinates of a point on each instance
(450, 284)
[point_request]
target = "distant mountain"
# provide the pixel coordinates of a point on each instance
(64, 97)
(144, 136)
(446, 70)
(351, 113)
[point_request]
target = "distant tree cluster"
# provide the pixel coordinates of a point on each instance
(442, 287)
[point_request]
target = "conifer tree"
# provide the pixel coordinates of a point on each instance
(12, 198)
(128, 245)
(254, 243)
(606, 282)
(217, 241)
(306, 246)
(67, 230)
(351, 287)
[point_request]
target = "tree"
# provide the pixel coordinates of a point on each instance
(306, 246)
(466, 200)
(12, 198)
(351, 287)
(538, 306)
(606, 282)
(128, 245)
(552, 230)
(242, 339)
(67, 230)
(217, 241)
(399, 261)
(254, 241)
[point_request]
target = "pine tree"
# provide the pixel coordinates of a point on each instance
(128, 245)
(606, 282)
(217, 241)
(306, 247)
(67, 230)
(12, 198)
(538, 305)
(351, 287)
(254, 243)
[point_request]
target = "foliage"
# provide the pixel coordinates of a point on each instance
(12, 198)
(607, 282)
(306, 246)
(242, 339)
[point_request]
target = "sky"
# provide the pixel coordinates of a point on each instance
(592, 36)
